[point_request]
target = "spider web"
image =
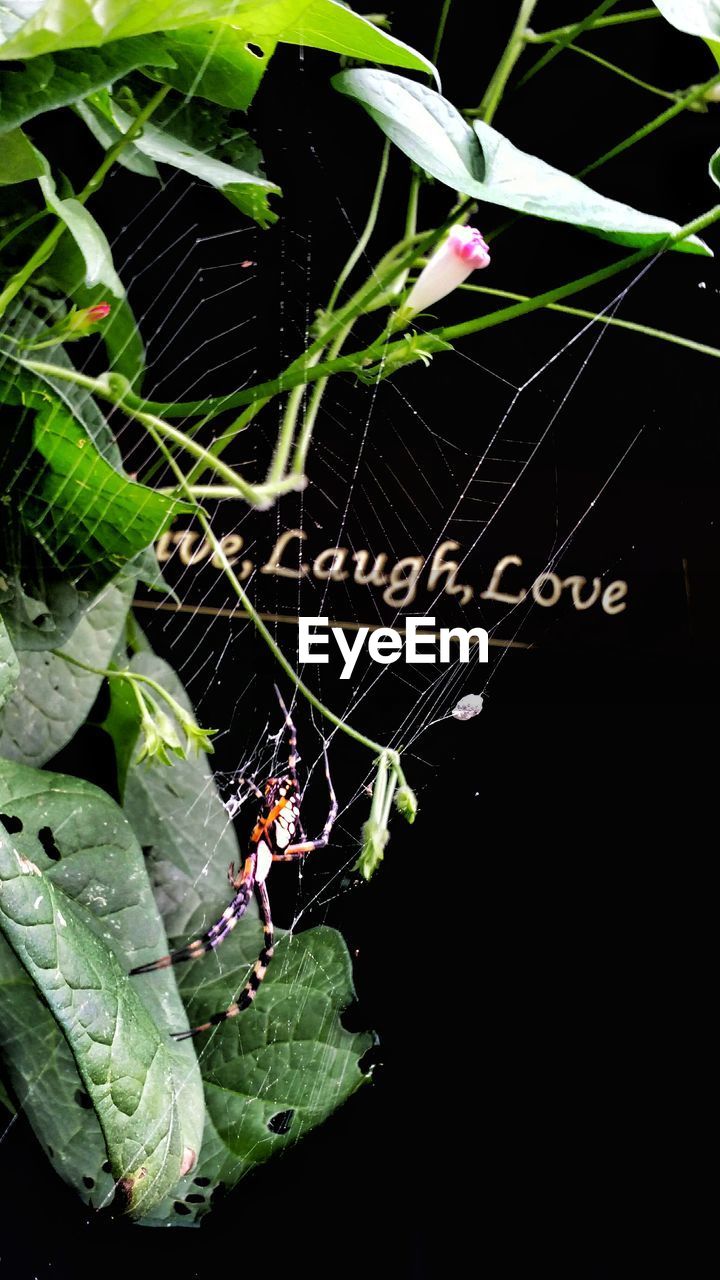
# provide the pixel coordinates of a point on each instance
(203, 295)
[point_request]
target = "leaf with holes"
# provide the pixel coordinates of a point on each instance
(52, 699)
(77, 912)
(288, 1062)
(247, 189)
(42, 27)
(275, 1072)
(57, 80)
(216, 63)
(481, 163)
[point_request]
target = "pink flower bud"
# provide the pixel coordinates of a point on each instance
(463, 252)
(99, 312)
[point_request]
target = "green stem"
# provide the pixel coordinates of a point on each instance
(256, 495)
(370, 355)
(133, 677)
(586, 25)
(681, 105)
(632, 325)
(439, 34)
(294, 404)
(311, 413)
(23, 226)
(614, 20)
(620, 71)
(45, 249)
(294, 374)
(510, 55)
(367, 231)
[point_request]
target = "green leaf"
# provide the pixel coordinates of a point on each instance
(104, 132)
(19, 161)
(289, 1052)
(89, 517)
(248, 191)
(486, 166)
(52, 699)
(216, 63)
(9, 666)
(182, 825)
(277, 1071)
(695, 17)
(88, 236)
(77, 911)
(56, 80)
(76, 24)
(715, 167)
(326, 24)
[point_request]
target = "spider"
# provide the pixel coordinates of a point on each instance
(271, 841)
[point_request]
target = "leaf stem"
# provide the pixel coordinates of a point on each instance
(510, 55)
(366, 233)
(563, 40)
(632, 325)
(680, 105)
(613, 20)
(620, 71)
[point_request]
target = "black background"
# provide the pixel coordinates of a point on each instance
(533, 952)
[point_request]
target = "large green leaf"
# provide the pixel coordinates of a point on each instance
(88, 236)
(182, 825)
(52, 699)
(217, 63)
(77, 911)
(9, 666)
(55, 80)
(90, 518)
(486, 166)
(33, 27)
(247, 190)
(696, 17)
(715, 167)
(225, 66)
(328, 24)
(275, 1072)
(19, 161)
(289, 1052)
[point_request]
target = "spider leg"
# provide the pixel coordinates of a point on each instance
(292, 741)
(215, 935)
(305, 846)
(233, 805)
(259, 969)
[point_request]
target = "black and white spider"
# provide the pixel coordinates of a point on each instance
(272, 840)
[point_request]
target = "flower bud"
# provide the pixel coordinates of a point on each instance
(100, 311)
(406, 803)
(462, 252)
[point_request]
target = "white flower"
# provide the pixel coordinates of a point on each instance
(463, 252)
